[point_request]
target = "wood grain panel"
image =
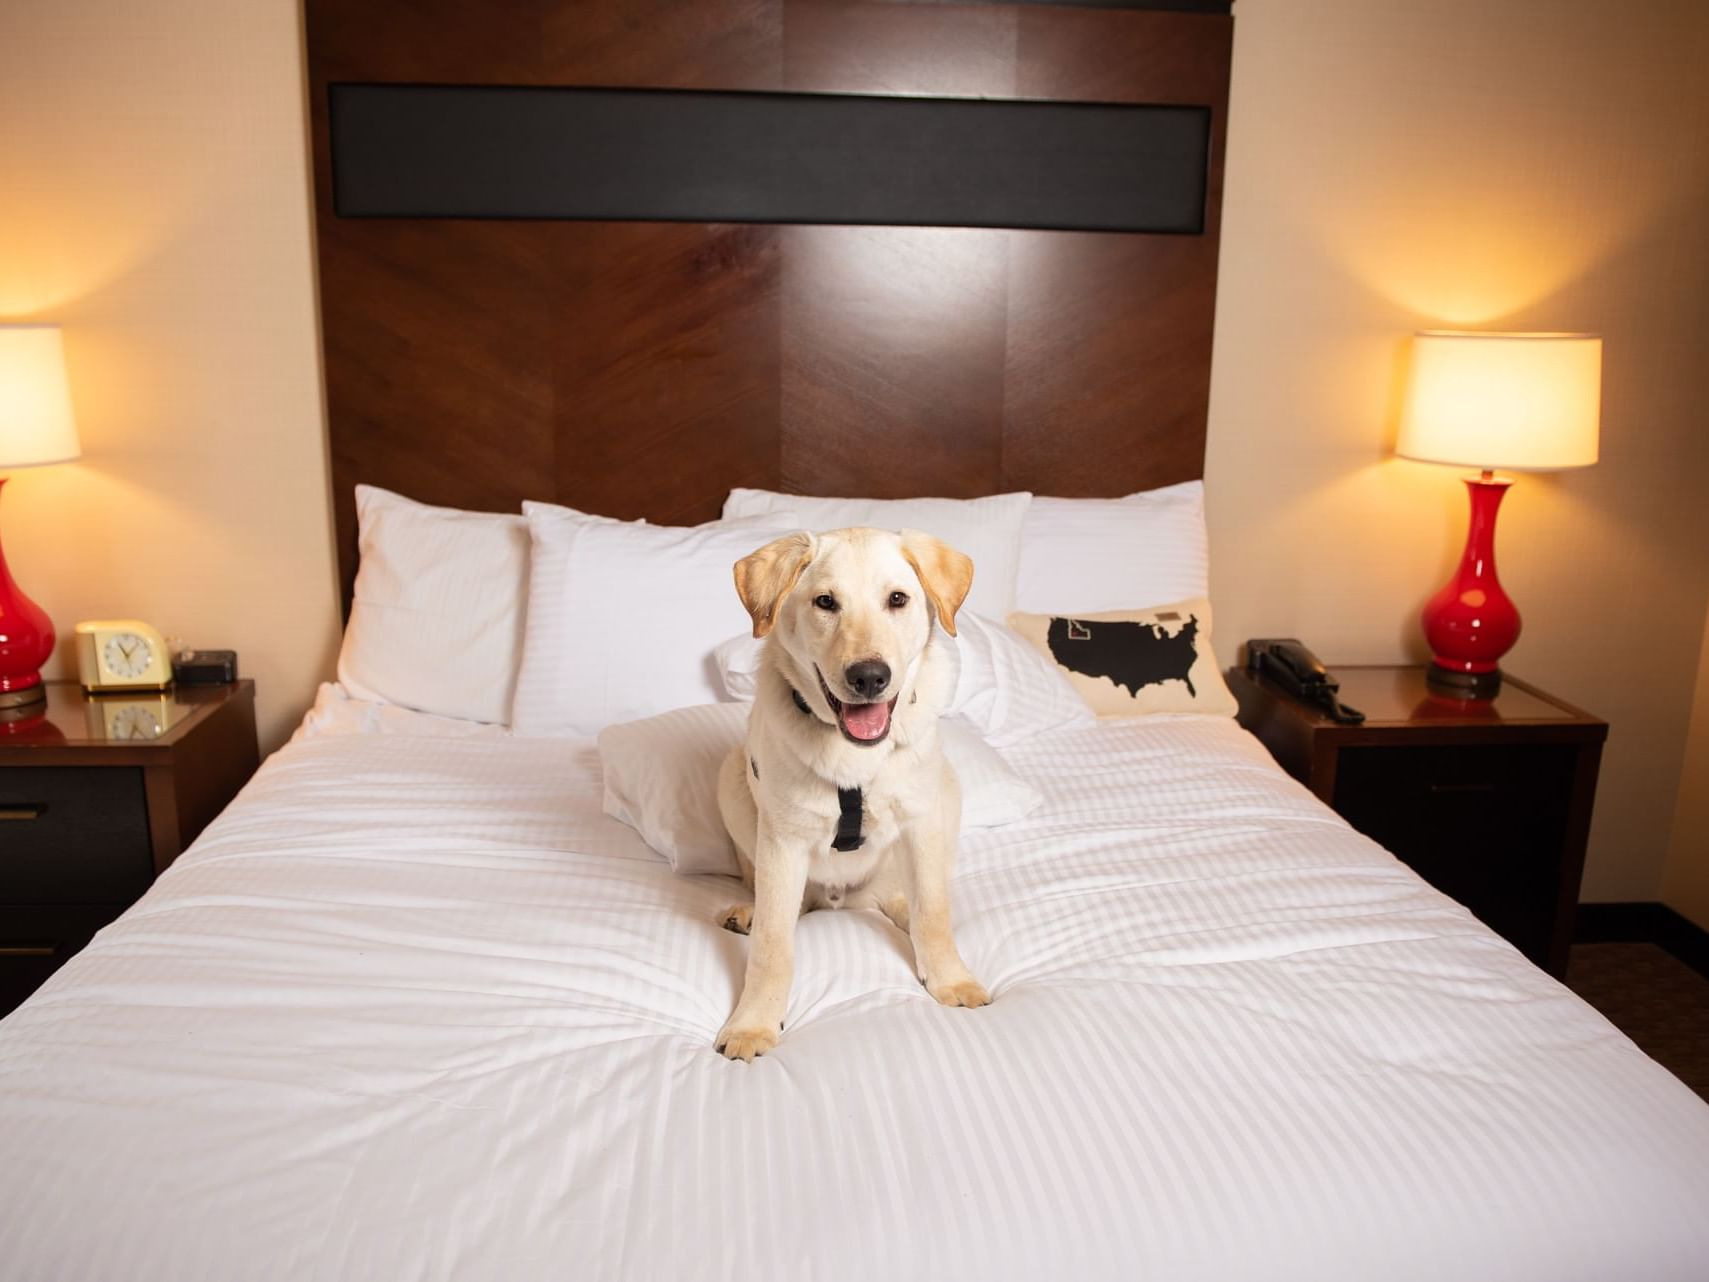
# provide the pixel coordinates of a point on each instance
(1110, 336)
(1088, 55)
(707, 44)
(667, 366)
(426, 41)
(661, 44)
(644, 369)
(858, 46)
(893, 360)
(1108, 372)
(438, 340)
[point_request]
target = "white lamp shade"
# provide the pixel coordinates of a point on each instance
(35, 402)
(1530, 402)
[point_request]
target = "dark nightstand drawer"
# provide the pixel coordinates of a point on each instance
(36, 941)
(1485, 825)
(73, 835)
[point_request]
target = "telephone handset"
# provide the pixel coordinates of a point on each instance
(1288, 663)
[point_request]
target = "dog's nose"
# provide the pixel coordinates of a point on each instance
(868, 678)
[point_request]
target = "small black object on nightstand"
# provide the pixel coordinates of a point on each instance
(204, 667)
(1487, 799)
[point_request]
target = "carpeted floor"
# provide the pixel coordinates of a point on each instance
(1654, 998)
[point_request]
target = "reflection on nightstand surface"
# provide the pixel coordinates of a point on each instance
(1399, 695)
(73, 716)
(132, 717)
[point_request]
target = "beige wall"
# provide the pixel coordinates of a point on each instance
(1404, 164)
(1393, 164)
(1685, 884)
(153, 201)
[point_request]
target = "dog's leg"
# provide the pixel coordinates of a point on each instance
(895, 907)
(936, 959)
(780, 878)
(738, 919)
(741, 820)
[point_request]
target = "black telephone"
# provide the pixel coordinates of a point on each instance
(1287, 662)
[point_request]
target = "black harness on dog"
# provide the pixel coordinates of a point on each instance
(848, 822)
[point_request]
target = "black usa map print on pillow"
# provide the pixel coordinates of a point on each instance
(1134, 655)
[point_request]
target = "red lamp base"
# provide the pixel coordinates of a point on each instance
(1471, 622)
(26, 641)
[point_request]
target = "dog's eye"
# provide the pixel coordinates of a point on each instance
(826, 601)
(898, 600)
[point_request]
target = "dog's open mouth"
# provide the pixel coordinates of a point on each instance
(866, 723)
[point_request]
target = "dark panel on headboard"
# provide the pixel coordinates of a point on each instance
(644, 368)
(677, 155)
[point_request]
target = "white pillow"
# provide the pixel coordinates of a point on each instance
(437, 615)
(1006, 690)
(988, 530)
(1127, 663)
(661, 778)
(738, 663)
(1090, 555)
(623, 616)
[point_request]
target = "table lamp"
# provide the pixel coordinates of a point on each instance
(36, 428)
(1529, 402)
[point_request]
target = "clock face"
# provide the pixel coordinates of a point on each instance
(126, 655)
(134, 721)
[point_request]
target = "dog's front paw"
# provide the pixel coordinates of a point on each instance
(738, 918)
(957, 990)
(744, 1041)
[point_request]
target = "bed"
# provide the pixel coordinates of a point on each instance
(415, 1007)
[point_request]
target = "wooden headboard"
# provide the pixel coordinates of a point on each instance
(643, 368)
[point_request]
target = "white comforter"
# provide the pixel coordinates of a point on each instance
(414, 1008)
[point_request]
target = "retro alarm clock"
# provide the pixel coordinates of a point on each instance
(121, 654)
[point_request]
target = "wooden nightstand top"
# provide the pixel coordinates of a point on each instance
(74, 728)
(1398, 701)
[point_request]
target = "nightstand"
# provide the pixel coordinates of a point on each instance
(98, 794)
(1488, 800)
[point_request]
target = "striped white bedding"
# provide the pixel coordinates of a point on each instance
(415, 1008)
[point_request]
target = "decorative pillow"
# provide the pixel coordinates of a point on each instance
(987, 529)
(1126, 663)
(624, 616)
(1080, 555)
(437, 615)
(661, 778)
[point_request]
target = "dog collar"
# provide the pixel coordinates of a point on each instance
(848, 799)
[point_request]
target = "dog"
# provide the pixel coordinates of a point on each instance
(841, 796)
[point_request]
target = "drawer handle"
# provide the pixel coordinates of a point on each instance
(9, 811)
(1462, 787)
(27, 950)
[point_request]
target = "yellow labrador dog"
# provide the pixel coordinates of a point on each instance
(841, 797)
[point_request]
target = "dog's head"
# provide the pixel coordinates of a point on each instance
(852, 611)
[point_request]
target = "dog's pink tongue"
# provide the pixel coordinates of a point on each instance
(866, 720)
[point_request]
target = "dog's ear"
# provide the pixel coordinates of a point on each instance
(766, 577)
(945, 574)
